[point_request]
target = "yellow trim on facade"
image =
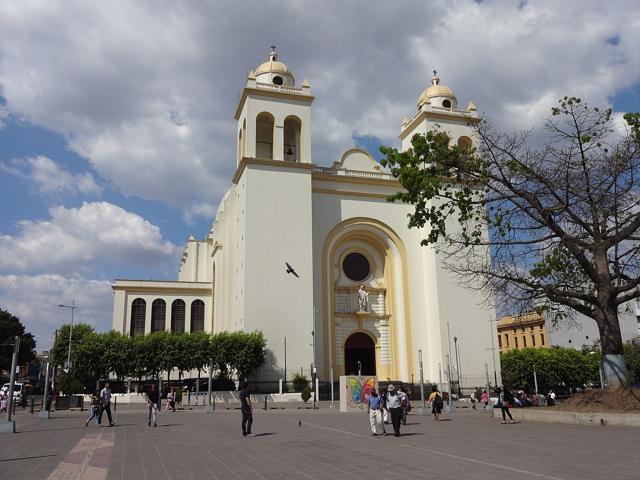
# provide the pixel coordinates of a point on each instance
(335, 238)
(268, 162)
(349, 193)
(327, 177)
(301, 97)
(409, 127)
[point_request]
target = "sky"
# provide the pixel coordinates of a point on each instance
(116, 118)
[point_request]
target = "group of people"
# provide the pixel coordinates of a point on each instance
(393, 404)
(101, 402)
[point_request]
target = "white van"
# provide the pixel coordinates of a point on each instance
(17, 391)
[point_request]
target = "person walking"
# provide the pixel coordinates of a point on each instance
(395, 409)
(105, 404)
(374, 409)
(153, 397)
(247, 409)
(383, 407)
(436, 402)
(95, 408)
(484, 398)
(505, 401)
(473, 400)
(405, 406)
(171, 400)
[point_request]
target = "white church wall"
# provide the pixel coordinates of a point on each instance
(279, 230)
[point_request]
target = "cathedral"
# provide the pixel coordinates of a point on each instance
(317, 259)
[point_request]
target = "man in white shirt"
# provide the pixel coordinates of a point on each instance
(105, 404)
(395, 409)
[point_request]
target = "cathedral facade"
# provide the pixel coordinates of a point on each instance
(317, 259)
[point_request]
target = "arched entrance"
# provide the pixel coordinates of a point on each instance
(359, 347)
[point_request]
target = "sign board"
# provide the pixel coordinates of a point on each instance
(355, 391)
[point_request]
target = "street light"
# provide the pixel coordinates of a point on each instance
(72, 307)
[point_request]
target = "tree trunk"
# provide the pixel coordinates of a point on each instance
(614, 364)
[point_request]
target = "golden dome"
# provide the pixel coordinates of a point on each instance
(435, 90)
(274, 67)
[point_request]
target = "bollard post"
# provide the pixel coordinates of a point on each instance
(214, 402)
(115, 404)
(82, 403)
(265, 403)
(32, 403)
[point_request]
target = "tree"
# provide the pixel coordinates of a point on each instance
(559, 369)
(10, 327)
(561, 221)
(60, 349)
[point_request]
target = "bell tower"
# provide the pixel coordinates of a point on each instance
(273, 115)
(438, 108)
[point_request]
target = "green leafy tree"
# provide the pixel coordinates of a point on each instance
(632, 355)
(10, 327)
(560, 369)
(59, 351)
(248, 351)
(561, 221)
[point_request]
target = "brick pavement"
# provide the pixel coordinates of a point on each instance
(328, 445)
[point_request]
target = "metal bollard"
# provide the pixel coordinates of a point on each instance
(115, 404)
(32, 403)
(82, 404)
(214, 402)
(265, 403)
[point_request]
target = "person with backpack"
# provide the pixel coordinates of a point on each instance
(105, 404)
(436, 402)
(505, 401)
(95, 408)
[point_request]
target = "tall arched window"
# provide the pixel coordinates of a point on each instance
(292, 127)
(264, 135)
(138, 311)
(197, 316)
(158, 315)
(177, 316)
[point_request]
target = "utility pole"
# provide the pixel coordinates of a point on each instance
(44, 413)
(285, 364)
(422, 410)
(455, 346)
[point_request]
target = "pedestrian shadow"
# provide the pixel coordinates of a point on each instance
(170, 425)
(410, 434)
(26, 458)
(264, 434)
(122, 425)
(445, 420)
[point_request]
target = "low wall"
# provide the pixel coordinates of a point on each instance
(573, 418)
(228, 397)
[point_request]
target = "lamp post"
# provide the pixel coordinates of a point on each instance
(455, 346)
(72, 307)
(422, 410)
(493, 351)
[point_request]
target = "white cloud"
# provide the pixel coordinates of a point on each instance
(78, 239)
(35, 300)
(49, 177)
(147, 94)
(199, 210)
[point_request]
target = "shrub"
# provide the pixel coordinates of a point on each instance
(299, 382)
(306, 394)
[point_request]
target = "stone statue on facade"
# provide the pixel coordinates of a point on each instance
(363, 299)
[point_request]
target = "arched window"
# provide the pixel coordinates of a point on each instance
(292, 127)
(138, 311)
(158, 315)
(177, 316)
(264, 135)
(464, 143)
(197, 316)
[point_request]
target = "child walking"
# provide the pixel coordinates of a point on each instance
(95, 408)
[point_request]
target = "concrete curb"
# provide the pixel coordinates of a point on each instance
(573, 418)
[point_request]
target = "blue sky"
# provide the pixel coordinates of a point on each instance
(116, 119)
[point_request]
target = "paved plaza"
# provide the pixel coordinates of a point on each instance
(328, 445)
